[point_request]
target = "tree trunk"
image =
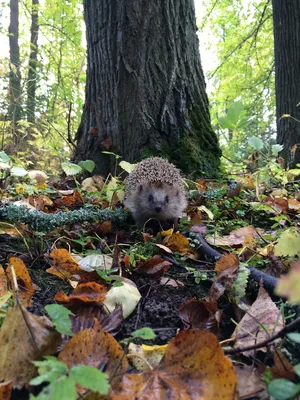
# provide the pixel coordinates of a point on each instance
(286, 17)
(145, 90)
(14, 109)
(32, 67)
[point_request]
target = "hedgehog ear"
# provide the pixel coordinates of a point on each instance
(141, 188)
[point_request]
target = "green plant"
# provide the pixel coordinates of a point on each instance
(62, 381)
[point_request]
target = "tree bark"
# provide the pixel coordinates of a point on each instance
(32, 67)
(14, 108)
(286, 17)
(145, 90)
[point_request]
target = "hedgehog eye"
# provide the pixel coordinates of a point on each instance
(167, 199)
(141, 188)
(150, 198)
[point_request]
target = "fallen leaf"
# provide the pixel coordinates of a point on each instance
(177, 242)
(25, 287)
(193, 367)
(127, 295)
(294, 204)
(142, 355)
(64, 266)
(262, 320)
(288, 244)
(236, 237)
(289, 285)
(226, 261)
(200, 314)
(282, 368)
(223, 282)
(3, 282)
(96, 261)
(276, 203)
(154, 267)
(96, 348)
(250, 383)
(24, 337)
(90, 292)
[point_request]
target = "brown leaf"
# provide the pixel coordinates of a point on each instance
(90, 292)
(236, 237)
(294, 204)
(250, 330)
(250, 383)
(24, 337)
(25, 287)
(3, 282)
(5, 390)
(200, 314)
(96, 348)
(154, 267)
(282, 367)
(223, 282)
(226, 261)
(280, 205)
(193, 367)
(177, 242)
(64, 266)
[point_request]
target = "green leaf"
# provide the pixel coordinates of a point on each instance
(61, 389)
(70, 168)
(235, 111)
(90, 378)
(288, 244)
(127, 166)
(295, 337)
(276, 148)
(144, 333)
(88, 165)
(49, 370)
(226, 123)
(4, 298)
(4, 157)
(297, 369)
(18, 171)
(282, 389)
(256, 143)
(60, 318)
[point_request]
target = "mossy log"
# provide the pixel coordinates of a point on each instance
(42, 222)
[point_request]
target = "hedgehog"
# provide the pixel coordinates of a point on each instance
(154, 190)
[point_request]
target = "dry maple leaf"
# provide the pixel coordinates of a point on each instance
(262, 320)
(96, 348)
(25, 287)
(200, 314)
(24, 337)
(193, 367)
(64, 266)
(90, 292)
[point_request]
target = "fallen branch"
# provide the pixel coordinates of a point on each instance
(42, 222)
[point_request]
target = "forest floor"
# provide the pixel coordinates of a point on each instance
(211, 288)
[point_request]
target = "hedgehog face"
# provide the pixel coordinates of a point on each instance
(158, 201)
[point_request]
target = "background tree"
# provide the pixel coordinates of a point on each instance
(14, 108)
(240, 37)
(145, 90)
(32, 65)
(286, 16)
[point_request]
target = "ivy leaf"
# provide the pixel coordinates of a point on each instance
(88, 165)
(276, 148)
(18, 171)
(256, 143)
(127, 166)
(90, 378)
(144, 333)
(60, 317)
(70, 168)
(282, 389)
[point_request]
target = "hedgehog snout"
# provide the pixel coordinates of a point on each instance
(158, 209)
